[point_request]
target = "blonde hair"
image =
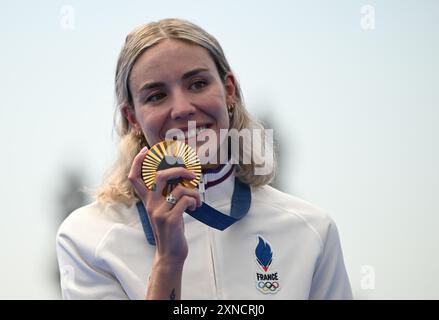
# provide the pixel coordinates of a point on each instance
(116, 186)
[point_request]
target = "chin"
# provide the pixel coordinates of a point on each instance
(207, 158)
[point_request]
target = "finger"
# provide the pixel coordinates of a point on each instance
(162, 177)
(184, 203)
(181, 191)
(135, 173)
(185, 199)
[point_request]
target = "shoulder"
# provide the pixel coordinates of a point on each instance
(86, 227)
(286, 206)
(79, 241)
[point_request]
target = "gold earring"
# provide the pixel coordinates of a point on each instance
(230, 109)
(139, 136)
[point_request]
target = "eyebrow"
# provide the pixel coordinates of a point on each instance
(152, 85)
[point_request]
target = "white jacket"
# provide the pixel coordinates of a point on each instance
(284, 248)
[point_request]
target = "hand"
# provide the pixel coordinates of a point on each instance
(166, 219)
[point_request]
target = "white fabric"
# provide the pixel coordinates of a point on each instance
(103, 253)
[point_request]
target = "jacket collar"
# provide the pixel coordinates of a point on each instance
(216, 185)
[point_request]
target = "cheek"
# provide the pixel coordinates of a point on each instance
(223, 119)
(151, 123)
(222, 116)
(215, 106)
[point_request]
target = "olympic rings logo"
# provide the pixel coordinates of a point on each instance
(268, 286)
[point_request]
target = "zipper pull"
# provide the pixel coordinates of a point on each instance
(202, 186)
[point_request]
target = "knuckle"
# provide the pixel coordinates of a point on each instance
(187, 200)
(157, 218)
(149, 209)
(194, 193)
(160, 219)
(159, 176)
(178, 191)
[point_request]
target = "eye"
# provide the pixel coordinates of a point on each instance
(198, 84)
(156, 97)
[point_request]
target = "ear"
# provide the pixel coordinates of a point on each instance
(128, 113)
(230, 87)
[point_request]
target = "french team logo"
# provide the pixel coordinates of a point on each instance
(266, 281)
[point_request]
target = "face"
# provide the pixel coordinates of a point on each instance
(176, 82)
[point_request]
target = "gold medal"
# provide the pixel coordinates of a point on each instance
(169, 154)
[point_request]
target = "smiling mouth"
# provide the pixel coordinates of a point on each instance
(189, 133)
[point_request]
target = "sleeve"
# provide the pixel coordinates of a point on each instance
(330, 280)
(81, 278)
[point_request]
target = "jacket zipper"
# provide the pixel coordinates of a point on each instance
(202, 187)
(202, 190)
(212, 257)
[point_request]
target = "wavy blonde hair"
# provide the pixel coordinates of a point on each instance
(116, 186)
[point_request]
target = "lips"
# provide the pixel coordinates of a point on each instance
(189, 133)
(193, 133)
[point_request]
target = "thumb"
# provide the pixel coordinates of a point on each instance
(135, 176)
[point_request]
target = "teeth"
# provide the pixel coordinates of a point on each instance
(199, 129)
(188, 134)
(192, 133)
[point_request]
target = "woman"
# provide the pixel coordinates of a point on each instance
(136, 243)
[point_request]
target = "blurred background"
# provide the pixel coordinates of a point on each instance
(351, 89)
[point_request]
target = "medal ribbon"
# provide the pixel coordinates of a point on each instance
(241, 200)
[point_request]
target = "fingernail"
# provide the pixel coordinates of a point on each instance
(144, 149)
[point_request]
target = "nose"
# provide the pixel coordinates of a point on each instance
(182, 108)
